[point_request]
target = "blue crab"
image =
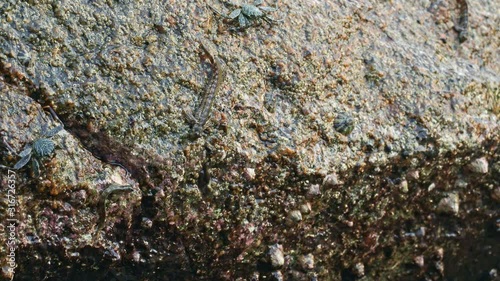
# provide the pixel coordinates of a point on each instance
(247, 13)
(36, 150)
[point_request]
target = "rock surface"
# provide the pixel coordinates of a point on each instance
(368, 102)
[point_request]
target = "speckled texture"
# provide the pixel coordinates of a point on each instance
(122, 75)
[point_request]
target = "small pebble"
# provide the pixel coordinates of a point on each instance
(439, 253)
(493, 273)
(419, 261)
(305, 208)
(449, 204)
(495, 194)
(136, 256)
(359, 269)
(146, 223)
(7, 273)
(307, 261)
(420, 231)
(331, 181)
(249, 173)
(413, 174)
(479, 166)
(439, 267)
(276, 255)
(277, 276)
(460, 183)
(295, 216)
(403, 186)
(313, 190)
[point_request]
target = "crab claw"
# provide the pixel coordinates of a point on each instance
(21, 163)
(234, 14)
(26, 151)
(243, 21)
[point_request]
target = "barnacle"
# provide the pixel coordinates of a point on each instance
(343, 124)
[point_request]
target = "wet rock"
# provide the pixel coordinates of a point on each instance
(296, 105)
